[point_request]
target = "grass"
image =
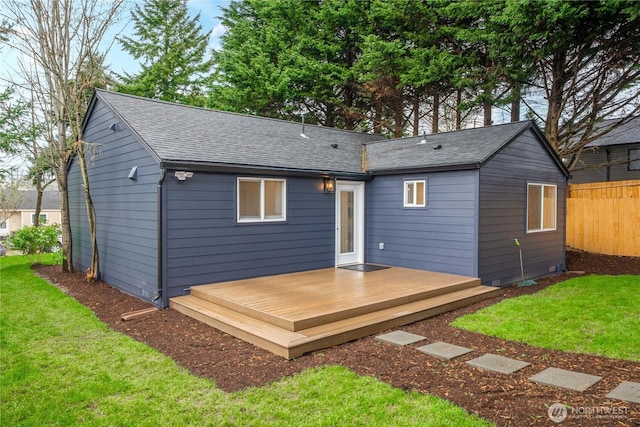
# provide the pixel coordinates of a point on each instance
(60, 365)
(590, 314)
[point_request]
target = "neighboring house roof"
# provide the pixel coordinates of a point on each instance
(463, 149)
(628, 133)
(186, 134)
(50, 200)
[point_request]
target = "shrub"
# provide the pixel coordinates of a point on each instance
(35, 240)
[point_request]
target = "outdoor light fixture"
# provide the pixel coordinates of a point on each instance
(329, 185)
(182, 175)
(113, 127)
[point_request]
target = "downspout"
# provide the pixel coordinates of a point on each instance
(608, 151)
(160, 294)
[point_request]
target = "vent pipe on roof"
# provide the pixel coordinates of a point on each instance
(424, 138)
(303, 134)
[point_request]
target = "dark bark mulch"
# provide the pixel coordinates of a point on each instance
(504, 399)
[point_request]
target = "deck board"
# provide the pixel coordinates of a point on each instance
(295, 313)
(302, 300)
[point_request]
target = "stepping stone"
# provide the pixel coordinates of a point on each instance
(627, 391)
(400, 338)
(443, 350)
(562, 378)
(493, 362)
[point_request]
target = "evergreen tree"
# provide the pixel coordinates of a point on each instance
(172, 50)
(285, 57)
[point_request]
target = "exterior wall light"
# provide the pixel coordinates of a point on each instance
(182, 175)
(329, 186)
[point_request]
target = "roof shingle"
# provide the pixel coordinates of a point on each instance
(191, 135)
(183, 133)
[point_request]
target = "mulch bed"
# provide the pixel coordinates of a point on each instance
(504, 399)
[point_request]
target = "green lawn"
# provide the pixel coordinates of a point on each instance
(590, 314)
(61, 366)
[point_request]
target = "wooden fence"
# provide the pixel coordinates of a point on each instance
(604, 217)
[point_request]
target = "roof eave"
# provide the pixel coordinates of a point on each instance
(266, 170)
(424, 169)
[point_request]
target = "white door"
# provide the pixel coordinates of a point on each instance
(349, 223)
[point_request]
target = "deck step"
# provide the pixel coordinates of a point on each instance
(290, 344)
(317, 317)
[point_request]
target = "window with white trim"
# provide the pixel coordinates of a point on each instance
(542, 201)
(415, 194)
(43, 218)
(634, 159)
(261, 199)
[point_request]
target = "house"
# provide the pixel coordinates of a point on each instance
(24, 215)
(187, 196)
(613, 157)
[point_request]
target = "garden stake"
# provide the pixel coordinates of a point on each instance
(523, 282)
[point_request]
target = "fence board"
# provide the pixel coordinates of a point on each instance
(604, 217)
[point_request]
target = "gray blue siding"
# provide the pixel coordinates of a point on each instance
(127, 219)
(503, 204)
(439, 237)
(205, 244)
(618, 170)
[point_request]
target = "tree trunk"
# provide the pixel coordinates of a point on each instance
(436, 113)
(94, 270)
(416, 113)
(377, 120)
(67, 253)
(398, 118)
(458, 111)
(39, 191)
(555, 96)
(515, 103)
(487, 106)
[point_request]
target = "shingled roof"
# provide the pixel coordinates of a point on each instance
(184, 134)
(463, 149)
(50, 200)
(628, 133)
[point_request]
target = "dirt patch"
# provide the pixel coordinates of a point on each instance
(505, 399)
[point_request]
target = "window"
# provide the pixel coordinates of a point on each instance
(541, 207)
(261, 199)
(415, 194)
(634, 159)
(43, 218)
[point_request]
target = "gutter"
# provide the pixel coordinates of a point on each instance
(425, 169)
(265, 170)
(158, 300)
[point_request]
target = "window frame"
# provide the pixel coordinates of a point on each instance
(43, 217)
(413, 203)
(541, 212)
(262, 206)
(634, 163)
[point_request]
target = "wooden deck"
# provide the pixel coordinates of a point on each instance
(292, 314)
